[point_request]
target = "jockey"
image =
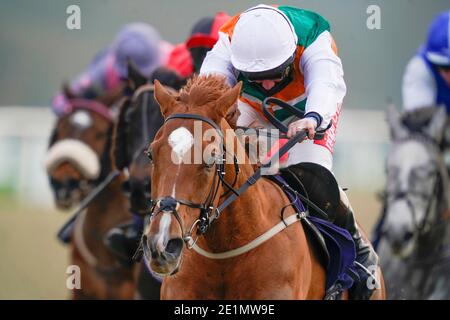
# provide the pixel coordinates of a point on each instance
(139, 42)
(107, 73)
(204, 36)
(289, 53)
(187, 58)
(426, 81)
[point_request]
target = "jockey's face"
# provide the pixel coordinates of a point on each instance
(445, 73)
(269, 80)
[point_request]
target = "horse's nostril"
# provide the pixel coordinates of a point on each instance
(174, 246)
(149, 246)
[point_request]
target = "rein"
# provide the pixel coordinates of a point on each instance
(66, 230)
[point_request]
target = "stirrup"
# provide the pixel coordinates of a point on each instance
(335, 292)
(361, 290)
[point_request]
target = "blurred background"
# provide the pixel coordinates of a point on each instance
(38, 53)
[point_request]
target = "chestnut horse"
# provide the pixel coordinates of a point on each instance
(79, 155)
(224, 264)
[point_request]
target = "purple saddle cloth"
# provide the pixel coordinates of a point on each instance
(340, 245)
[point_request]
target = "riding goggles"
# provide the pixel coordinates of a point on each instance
(443, 67)
(276, 74)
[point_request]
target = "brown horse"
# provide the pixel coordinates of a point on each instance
(80, 155)
(284, 267)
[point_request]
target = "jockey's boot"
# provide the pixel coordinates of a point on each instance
(123, 241)
(366, 257)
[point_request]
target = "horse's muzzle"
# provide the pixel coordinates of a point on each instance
(67, 192)
(162, 258)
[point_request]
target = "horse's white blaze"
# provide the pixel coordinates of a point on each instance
(174, 190)
(181, 141)
(175, 183)
(81, 119)
(163, 232)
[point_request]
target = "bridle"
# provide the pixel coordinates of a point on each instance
(425, 225)
(208, 211)
(91, 105)
(106, 113)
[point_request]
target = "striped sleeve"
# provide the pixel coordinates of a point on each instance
(218, 60)
(324, 78)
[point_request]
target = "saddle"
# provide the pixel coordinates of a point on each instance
(314, 190)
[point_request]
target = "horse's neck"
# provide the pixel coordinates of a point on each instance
(107, 210)
(246, 217)
(251, 196)
(110, 202)
(439, 235)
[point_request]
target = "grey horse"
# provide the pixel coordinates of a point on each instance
(414, 245)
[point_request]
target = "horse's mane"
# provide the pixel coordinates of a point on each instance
(201, 90)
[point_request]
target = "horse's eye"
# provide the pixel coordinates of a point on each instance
(149, 154)
(101, 135)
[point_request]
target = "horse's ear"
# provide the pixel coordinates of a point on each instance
(135, 78)
(398, 130)
(164, 98)
(168, 78)
(437, 124)
(227, 100)
(67, 91)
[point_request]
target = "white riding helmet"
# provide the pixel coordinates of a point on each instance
(263, 39)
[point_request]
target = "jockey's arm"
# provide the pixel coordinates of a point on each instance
(418, 87)
(218, 60)
(324, 79)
